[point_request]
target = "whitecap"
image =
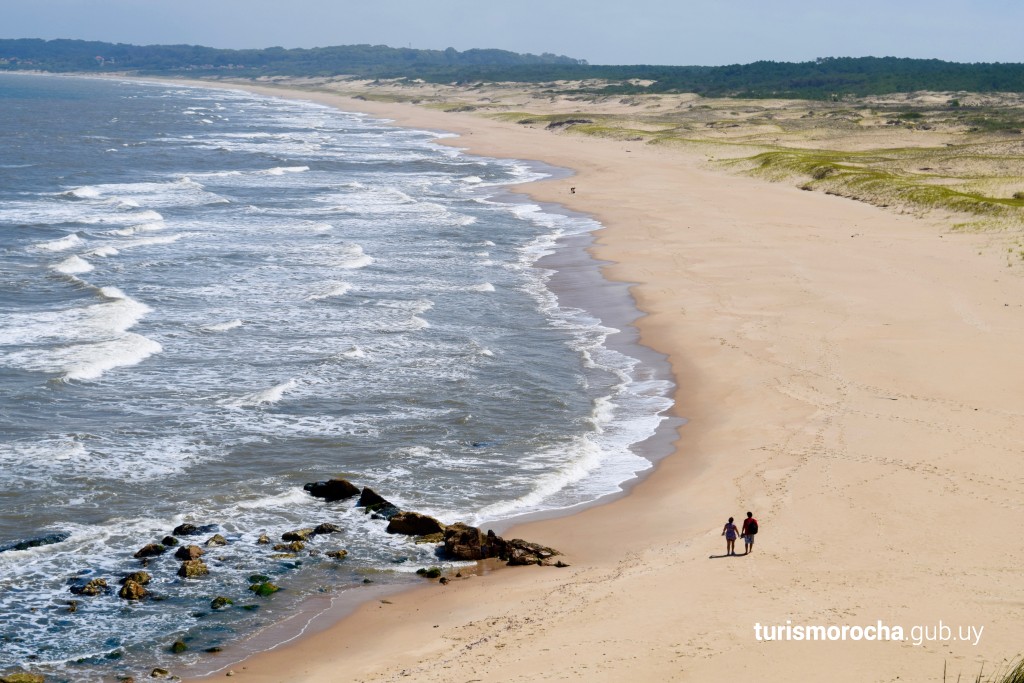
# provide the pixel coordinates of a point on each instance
(63, 244)
(281, 170)
(485, 287)
(262, 397)
(224, 326)
(73, 265)
(333, 289)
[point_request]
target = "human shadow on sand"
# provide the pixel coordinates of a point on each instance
(718, 557)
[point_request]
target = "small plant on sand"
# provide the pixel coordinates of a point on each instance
(1012, 673)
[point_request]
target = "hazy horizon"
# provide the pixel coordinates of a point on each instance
(642, 32)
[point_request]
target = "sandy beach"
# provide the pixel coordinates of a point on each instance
(849, 373)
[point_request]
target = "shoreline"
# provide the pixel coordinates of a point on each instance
(810, 337)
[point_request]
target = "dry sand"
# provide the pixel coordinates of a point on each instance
(851, 375)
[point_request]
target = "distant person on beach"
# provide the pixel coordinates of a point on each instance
(730, 531)
(748, 533)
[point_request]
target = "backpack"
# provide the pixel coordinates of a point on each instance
(752, 526)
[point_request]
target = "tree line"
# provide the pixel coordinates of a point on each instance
(818, 79)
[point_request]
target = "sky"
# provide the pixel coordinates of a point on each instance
(681, 32)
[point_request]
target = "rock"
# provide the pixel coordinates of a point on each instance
(561, 564)
(297, 535)
(520, 552)
(264, 589)
(151, 550)
(193, 568)
(189, 552)
(132, 590)
(214, 650)
(444, 580)
(22, 677)
(72, 606)
(258, 578)
(220, 602)
(293, 547)
(332, 490)
(48, 539)
(216, 539)
(185, 530)
(170, 541)
(413, 524)
(327, 528)
(263, 540)
(431, 573)
(178, 647)
(337, 554)
(465, 542)
(371, 501)
(159, 673)
(94, 587)
(141, 578)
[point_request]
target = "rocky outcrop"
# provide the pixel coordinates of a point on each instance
(327, 528)
(22, 677)
(297, 535)
(27, 543)
(189, 552)
(293, 547)
(337, 554)
(215, 540)
(220, 602)
(263, 540)
(132, 590)
(372, 502)
(465, 542)
(141, 578)
(150, 550)
(170, 541)
(520, 552)
(264, 588)
(192, 568)
(94, 587)
(332, 490)
(414, 524)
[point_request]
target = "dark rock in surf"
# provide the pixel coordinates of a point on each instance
(93, 588)
(189, 552)
(170, 541)
(48, 539)
(332, 490)
(414, 524)
(141, 578)
(193, 530)
(150, 550)
(327, 528)
(263, 540)
(215, 540)
(372, 502)
(193, 568)
(132, 590)
(297, 535)
(336, 554)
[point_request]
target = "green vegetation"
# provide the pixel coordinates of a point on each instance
(830, 79)
(879, 177)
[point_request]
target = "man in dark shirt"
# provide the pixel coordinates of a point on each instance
(748, 531)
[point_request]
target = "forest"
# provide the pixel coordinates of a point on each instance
(823, 78)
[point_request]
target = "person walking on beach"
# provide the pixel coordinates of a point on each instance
(729, 531)
(748, 532)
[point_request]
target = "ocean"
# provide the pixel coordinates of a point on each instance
(209, 298)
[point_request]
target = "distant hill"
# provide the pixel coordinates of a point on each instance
(822, 78)
(368, 60)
